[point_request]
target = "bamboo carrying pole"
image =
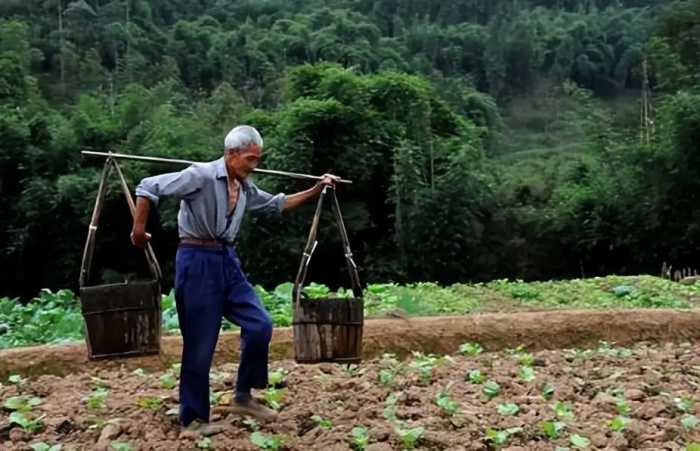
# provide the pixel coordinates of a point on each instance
(188, 162)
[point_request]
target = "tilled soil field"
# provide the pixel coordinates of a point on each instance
(638, 397)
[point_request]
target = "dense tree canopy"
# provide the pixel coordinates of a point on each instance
(430, 107)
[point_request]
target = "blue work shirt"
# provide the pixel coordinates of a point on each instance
(203, 192)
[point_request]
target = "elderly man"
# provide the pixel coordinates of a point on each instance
(209, 281)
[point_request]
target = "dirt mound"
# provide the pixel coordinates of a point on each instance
(535, 330)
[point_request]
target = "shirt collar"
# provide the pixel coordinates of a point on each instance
(221, 168)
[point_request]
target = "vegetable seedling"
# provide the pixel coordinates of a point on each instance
(619, 423)
(476, 377)
(491, 389)
(409, 437)
(552, 429)
(96, 399)
(689, 422)
(359, 438)
(470, 348)
(507, 409)
(43, 446)
(447, 404)
(500, 437)
(563, 411)
(526, 374)
(23, 403)
(273, 397)
(168, 380)
(26, 423)
(276, 378)
(321, 422)
(579, 441)
(204, 443)
(273, 442)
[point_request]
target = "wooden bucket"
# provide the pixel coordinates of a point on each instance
(122, 319)
(329, 329)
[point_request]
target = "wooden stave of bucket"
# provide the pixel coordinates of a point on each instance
(129, 327)
(328, 330)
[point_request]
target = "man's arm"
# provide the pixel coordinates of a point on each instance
(175, 184)
(139, 237)
(294, 200)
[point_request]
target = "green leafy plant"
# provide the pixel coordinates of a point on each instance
(273, 442)
(526, 374)
(623, 407)
(579, 441)
(446, 404)
(424, 365)
(16, 379)
(96, 382)
(389, 411)
(390, 368)
(547, 391)
(323, 423)
(684, 404)
(43, 446)
(500, 437)
(167, 380)
(491, 389)
(204, 443)
(273, 397)
(386, 377)
(359, 438)
(526, 359)
(409, 437)
(26, 422)
(552, 429)
(276, 378)
(470, 348)
(476, 377)
(150, 402)
(619, 423)
(563, 410)
(689, 422)
(96, 399)
(22, 403)
(316, 291)
(121, 446)
(507, 409)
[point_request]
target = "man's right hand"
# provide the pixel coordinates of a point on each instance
(139, 237)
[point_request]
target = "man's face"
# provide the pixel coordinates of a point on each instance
(242, 162)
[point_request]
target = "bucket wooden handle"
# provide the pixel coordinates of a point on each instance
(311, 243)
(89, 250)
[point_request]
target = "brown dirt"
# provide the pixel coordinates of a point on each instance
(651, 377)
(536, 330)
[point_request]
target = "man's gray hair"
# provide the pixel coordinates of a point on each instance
(241, 137)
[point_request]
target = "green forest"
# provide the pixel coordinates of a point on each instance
(522, 139)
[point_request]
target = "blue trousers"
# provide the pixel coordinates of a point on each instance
(209, 285)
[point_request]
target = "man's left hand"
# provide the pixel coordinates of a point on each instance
(329, 180)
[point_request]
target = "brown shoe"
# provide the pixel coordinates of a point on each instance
(252, 408)
(198, 427)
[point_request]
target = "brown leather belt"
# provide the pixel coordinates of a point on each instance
(198, 242)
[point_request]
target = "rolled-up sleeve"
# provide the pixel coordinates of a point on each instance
(260, 201)
(174, 184)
